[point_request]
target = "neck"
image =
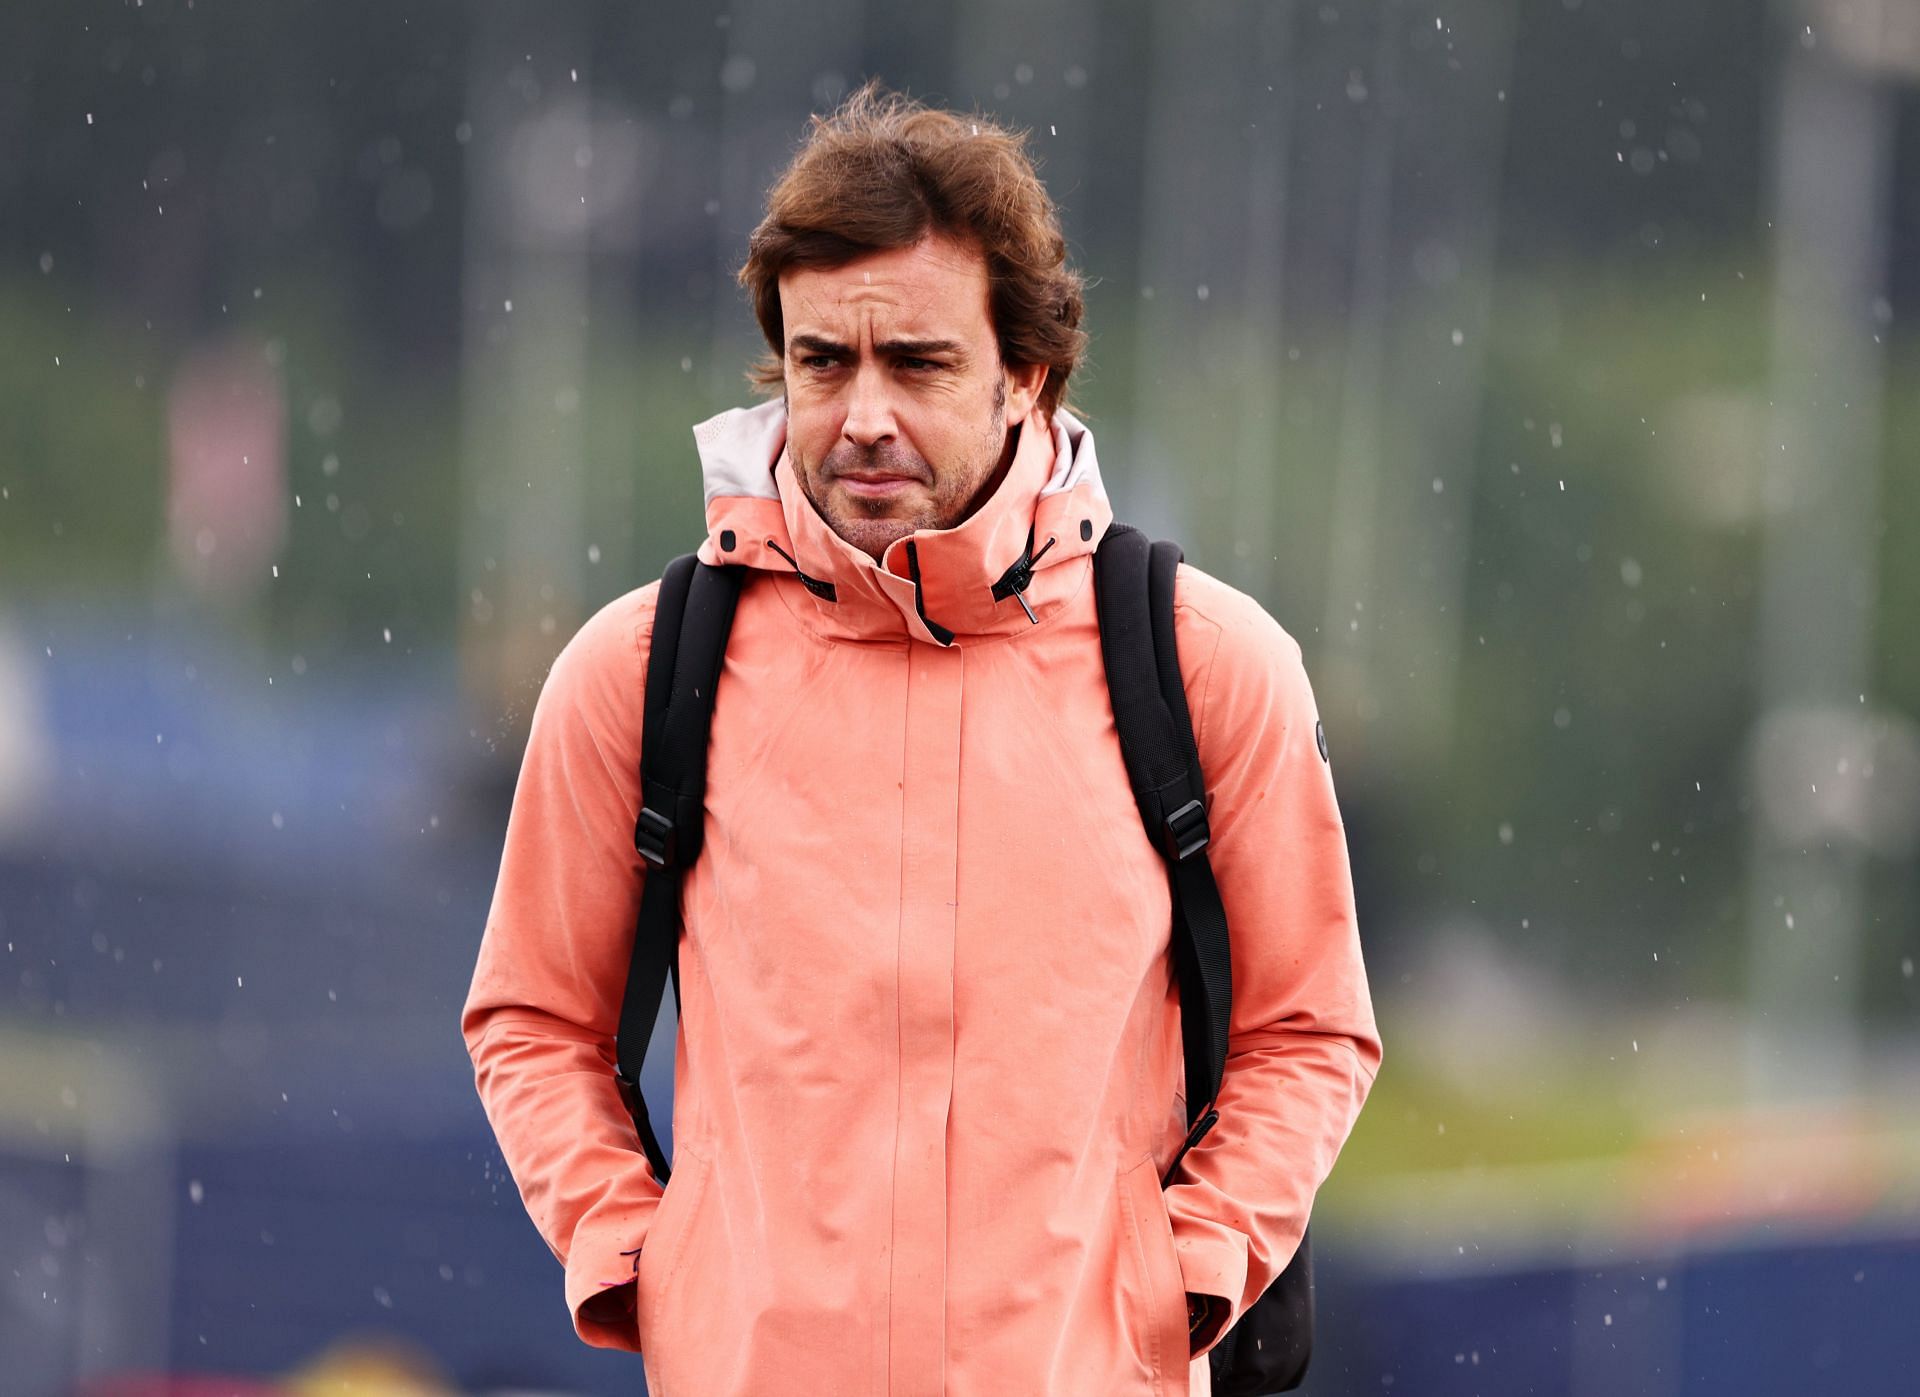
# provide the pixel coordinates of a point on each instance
(997, 476)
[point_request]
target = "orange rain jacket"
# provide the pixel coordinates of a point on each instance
(929, 1064)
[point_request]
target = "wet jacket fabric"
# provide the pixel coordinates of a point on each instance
(929, 1065)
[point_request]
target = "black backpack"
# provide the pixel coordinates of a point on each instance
(1267, 1350)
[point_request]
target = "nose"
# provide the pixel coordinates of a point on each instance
(869, 418)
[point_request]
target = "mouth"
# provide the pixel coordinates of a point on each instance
(874, 485)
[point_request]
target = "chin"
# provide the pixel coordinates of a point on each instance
(872, 536)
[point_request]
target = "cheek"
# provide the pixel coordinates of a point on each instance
(953, 423)
(811, 431)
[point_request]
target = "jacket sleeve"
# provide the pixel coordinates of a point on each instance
(1302, 1046)
(541, 1014)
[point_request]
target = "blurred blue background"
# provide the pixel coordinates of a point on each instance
(1547, 369)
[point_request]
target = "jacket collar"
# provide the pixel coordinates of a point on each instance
(943, 586)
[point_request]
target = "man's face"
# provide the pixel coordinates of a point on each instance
(899, 411)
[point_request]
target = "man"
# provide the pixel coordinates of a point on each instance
(929, 1070)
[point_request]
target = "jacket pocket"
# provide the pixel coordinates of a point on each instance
(662, 1255)
(1163, 1316)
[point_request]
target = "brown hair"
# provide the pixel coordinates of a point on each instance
(883, 171)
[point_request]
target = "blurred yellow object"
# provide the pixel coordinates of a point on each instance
(370, 1366)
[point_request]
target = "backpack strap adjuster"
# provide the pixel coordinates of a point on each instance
(1186, 831)
(654, 837)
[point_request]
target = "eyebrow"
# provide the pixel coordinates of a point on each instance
(909, 349)
(899, 349)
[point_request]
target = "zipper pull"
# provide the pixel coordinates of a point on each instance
(1014, 581)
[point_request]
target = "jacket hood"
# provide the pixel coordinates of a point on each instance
(944, 586)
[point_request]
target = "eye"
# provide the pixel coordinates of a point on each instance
(818, 361)
(919, 365)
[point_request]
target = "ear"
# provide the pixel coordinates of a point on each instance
(1024, 382)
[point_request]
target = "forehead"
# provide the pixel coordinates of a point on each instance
(936, 286)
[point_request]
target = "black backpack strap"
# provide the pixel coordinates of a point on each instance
(1267, 1350)
(1133, 586)
(693, 615)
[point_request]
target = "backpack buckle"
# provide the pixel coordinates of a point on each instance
(653, 837)
(1187, 832)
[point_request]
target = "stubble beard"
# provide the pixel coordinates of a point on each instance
(868, 524)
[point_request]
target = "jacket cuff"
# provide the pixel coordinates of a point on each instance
(1213, 1261)
(601, 1261)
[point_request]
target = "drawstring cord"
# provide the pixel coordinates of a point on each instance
(1013, 582)
(823, 590)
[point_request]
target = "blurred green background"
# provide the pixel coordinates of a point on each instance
(1545, 368)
